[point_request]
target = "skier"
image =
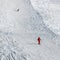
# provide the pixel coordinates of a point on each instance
(39, 40)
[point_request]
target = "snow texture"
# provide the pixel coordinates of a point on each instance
(20, 26)
(50, 10)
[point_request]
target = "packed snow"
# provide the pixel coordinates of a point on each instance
(20, 26)
(50, 10)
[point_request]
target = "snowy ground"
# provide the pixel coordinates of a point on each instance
(20, 26)
(50, 10)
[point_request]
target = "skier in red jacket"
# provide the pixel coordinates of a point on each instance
(39, 40)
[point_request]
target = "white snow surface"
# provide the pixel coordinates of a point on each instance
(50, 10)
(20, 26)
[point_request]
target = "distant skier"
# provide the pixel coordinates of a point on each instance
(39, 40)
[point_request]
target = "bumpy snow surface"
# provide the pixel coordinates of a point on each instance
(20, 26)
(50, 10)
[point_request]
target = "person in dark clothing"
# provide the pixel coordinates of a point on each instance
(39, 40)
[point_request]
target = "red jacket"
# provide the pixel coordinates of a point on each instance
(39, 40)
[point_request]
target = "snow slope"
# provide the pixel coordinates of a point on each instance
(20, 25)
(50, 10)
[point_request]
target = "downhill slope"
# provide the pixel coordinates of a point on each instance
(50, 10)
(20, 25)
